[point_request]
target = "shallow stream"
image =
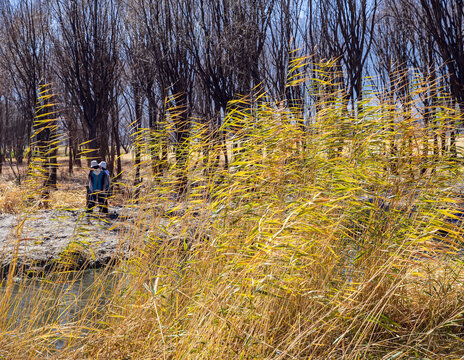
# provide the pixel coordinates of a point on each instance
(54, 303)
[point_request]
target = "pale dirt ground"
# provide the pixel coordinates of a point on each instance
(40, 237)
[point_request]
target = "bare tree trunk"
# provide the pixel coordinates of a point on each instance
(70, 157)
(153, 123)
(181, 146)
(224, 149)
(444, 146)
(138, 125)
(117, 141)
(53, 168)
(77, 156)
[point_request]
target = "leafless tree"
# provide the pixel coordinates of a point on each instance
(445, 22)
(26, 56)
(227, 40)
(87, 49)
(347, 29)
(182, 59)
(164, 25)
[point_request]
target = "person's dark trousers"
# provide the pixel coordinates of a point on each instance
(103, 202)
(105, 205)
(91, 202)
(98, 198)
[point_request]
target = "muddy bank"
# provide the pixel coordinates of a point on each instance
(45, 239)
(40, 240)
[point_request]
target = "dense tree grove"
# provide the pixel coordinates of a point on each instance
(116, 65)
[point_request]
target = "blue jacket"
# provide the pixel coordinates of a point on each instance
(98, 181)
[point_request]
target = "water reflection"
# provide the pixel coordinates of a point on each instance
(54, 303)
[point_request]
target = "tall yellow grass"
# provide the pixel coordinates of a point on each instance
(318, 241)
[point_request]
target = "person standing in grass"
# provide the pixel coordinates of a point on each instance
(107, 191)
(98, 184)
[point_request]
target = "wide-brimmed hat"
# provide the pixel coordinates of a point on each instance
(102, 165)
(94, 164)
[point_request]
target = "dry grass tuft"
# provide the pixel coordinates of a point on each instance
(11, 197)
(73, 199)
